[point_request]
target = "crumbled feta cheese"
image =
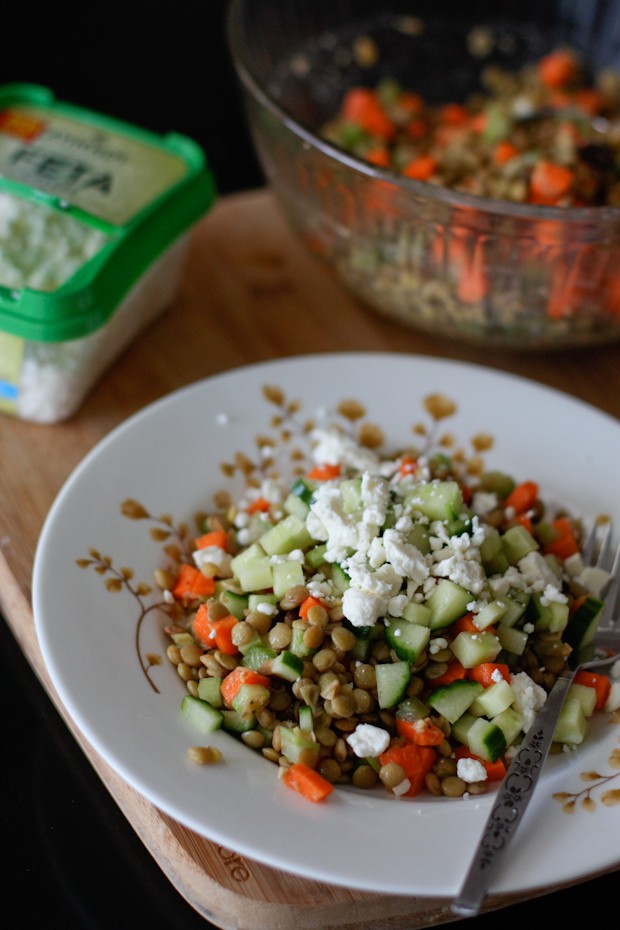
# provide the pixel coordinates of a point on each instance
(613, 698)
(361, 608)
(266, 608)
(529, 697)
(332, 447)
(401, 788)
(437, 644)
(368, 741)
(471, 770)
(213, 555)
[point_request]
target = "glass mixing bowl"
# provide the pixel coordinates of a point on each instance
(458, 265)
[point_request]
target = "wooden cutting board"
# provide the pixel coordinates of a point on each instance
(250, 292)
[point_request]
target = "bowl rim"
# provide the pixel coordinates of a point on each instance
(456, 199)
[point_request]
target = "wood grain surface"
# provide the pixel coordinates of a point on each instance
(250, 292)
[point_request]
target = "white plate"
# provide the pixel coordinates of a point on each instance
(168, 457)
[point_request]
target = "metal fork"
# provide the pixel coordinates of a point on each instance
(522, 776)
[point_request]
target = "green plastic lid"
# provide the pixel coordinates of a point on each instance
(90, 197)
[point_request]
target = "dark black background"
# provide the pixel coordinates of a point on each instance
(70, 860)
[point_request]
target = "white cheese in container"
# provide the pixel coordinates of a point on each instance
(94, 220)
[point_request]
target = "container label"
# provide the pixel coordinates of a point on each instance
(11, 357)
(108, 175)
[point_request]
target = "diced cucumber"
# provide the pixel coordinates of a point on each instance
(259, 657)
(451, 701)
(287, 665)
(493, 700)
(233, 722)
(489, 614)
(510, 723)
(447, 602)
(412, 708)
(437, 500)
(461, 727)
(235, 603)
(417, 613)
(581, 627)
(252, 568)
(486, 739)
(256, 640)
(472, 649)
(299, 744)
(515, 604)
(517, 542)
(491, 545)
(202, 715)
(286, 574)
(351, 491)
(265, 597)
(586, 695)
(339, 577)
(288, 534)
(408, 640)
(209, 690)
(572, 725)
(303, 489)
(295, 505)
(316, 555)
(512, 639)
(392, 682)
(249, 699)
(419, 537)
(551, 616)
(306, 718)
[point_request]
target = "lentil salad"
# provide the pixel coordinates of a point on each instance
(384, 622)
(545, 135)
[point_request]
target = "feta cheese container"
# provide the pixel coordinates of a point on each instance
(94, 221)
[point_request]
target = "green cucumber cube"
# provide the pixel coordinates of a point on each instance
(286, 575)
(290, 533)
(287, 665)
(249, 699)
(585, 695)
(451, 701)
(510, 723)
(392, 682)
(511, 639)
(209, 690)
(572, 725)
(437, 500)
(202, 715)
(486, 739)
(517, 542)
(447, 602)
(408, 640)
(493, 700)
(473, 649)
(490, 614)
(418, 613)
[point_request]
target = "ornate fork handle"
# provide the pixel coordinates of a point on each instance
(512, 801)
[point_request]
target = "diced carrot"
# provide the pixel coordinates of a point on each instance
(240, 676)
(307, 782)
(421, 168)
(307, 603)
(361, 106)
(453, 114)
(565, 544)
(417, 129)
(590, 100)
(522, 497)
(217, 538)
(525, 520)
(416, 761)
(557, 69)
(323, 472)
(495, 770)
(549, 183)
(504, 151)
(486, 673)
(215, 633)
(464, 624)
(190, 583)
(408, 466)
(478, 122)
(600, 683)
(454, 672)
(473, 284)
(378, 155)
(422, 732)
(410, 102)
(258, 505)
